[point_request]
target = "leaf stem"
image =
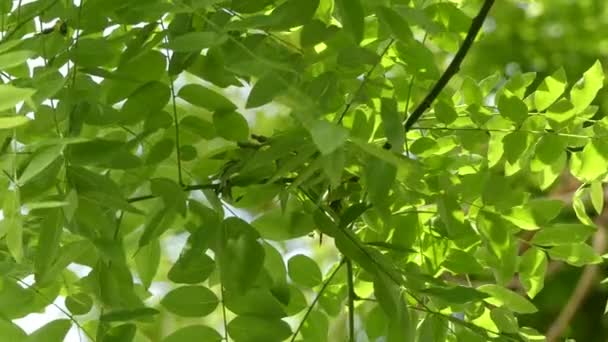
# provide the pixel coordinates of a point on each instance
(174, 105)
(454, 66)
(351, 300)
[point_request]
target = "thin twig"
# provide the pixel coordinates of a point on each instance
(454, 66)
(175, 119)
(314, 301)
(351, 300)
(225, 320)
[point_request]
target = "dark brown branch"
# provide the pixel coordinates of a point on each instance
(454, 66)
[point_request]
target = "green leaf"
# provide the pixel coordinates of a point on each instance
(160, 151)
(504, 320)
(352, 18)
(549, 148)
(591, 163)
(128, 314)
(512, 108)
(293, 13)
(92, 52)
(515, 144)
(304, 271)
(550, 90)
(391, 301)
(418, 59)
(452, 216)
(79, 303)
(281, 225)
(327, 136)
(391, 121)
(53, 331)
(532, 269)
(241, 257)
(9, 97)
(14, 58)
(253, 329)
(195, 41)
(146, 100)
(579, 207)
(596, 191)
(156, 225)
(147, 262)
(500, 241)
(585, 89)
(193, 266)
(231, 126)
(396, 23)
(316, 327)
(193, 333)
(190, 301)
(68, 253)
(445, 113)
(506, 298)
(11, 331)
(379, 179)
(8, 122)
(471, 91)
(205, 98)
(563, 234)
(259, 302)
(455, 294)
(121, 333)
(433, 328)
(265, 90)
(49, 240)
(12, 225)
(41, 160)
(576, 254)
(172, 194)
(560, 113)
(460, 262)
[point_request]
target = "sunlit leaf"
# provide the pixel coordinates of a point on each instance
(532, 268)
(304, 270)
(585, 89)
(507, 298)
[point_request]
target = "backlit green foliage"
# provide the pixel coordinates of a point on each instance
(237, 169)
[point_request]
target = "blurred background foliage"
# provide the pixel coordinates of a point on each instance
(541, 36)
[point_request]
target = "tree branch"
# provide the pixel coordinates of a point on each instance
(454, 66)
(351, 301)
(582, 289)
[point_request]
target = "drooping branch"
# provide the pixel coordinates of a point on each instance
(454, 66)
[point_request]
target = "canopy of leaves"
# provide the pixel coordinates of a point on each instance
(250, 159)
